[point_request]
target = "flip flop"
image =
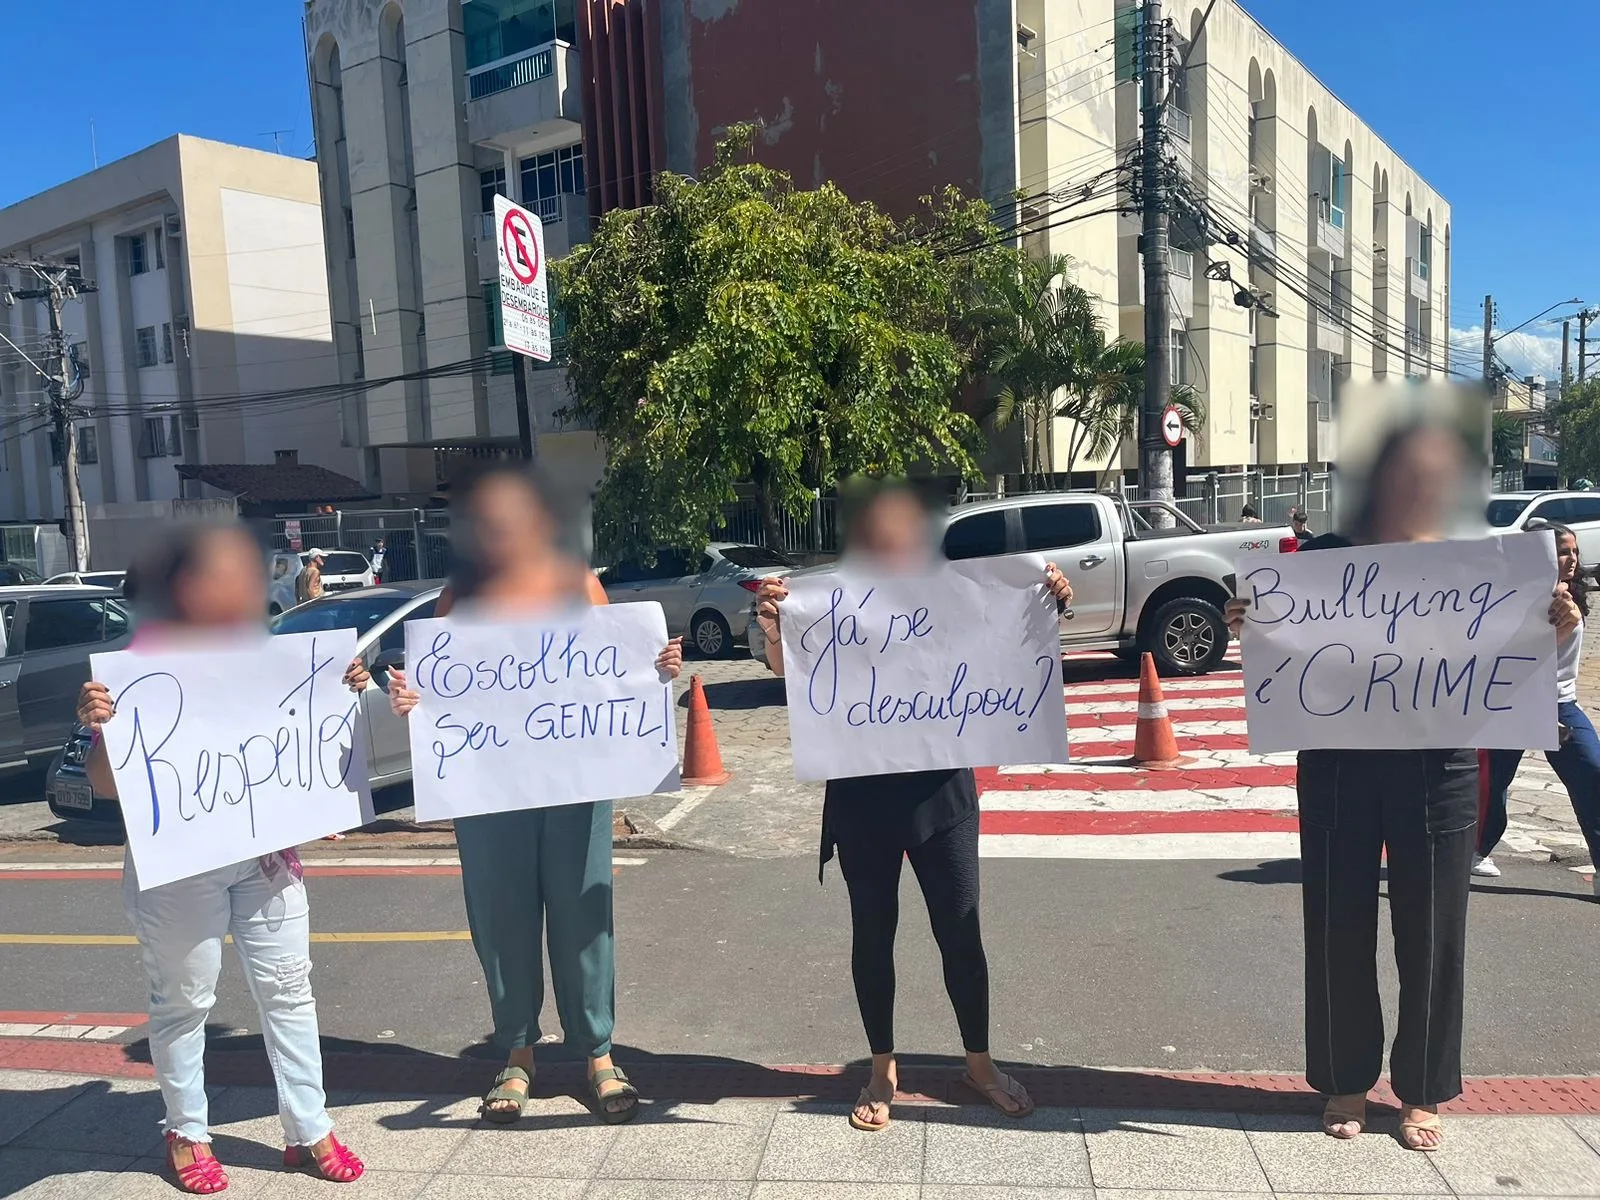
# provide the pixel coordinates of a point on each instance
(867, 1098)
(626, 1092)
(501, 1093)
(1007, 1087)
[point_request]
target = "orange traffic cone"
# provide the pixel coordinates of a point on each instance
(702, 761)
(1154, 745)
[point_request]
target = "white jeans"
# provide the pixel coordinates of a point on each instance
(180, 927)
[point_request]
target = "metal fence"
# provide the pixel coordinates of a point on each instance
(416, 541)
(1219, 497)
(817, 534)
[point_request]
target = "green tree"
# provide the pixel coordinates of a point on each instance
(741, 329)
(1506, 439)
(1574, 422)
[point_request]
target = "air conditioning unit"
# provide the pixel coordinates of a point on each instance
(191, 420)
(173, 226)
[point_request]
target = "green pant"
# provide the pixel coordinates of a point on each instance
(519, 872)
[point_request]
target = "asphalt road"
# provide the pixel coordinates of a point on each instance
(1167, 965)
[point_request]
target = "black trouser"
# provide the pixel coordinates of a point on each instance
(947, 870)
(1422, 805)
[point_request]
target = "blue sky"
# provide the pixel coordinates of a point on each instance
(1496, 112)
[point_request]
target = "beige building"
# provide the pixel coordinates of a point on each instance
(212, 303)
(1335, 252)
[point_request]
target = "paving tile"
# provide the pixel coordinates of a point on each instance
(148, 1179)
(416, 1133)
(374, 1185)
(1517, 1156)
(246, 1131)
(1140, 1194)
(495, 1187)
(981, 1146)
(1298, 1157)
(1588, 1129)
(35, 1174)
(1155, 1149)
(557, 1138)
(28, 1097)
(985, 1192)
(818, 1143)
(125, 1115)
(691, 1141)
(668, 1189)
(835, 1191)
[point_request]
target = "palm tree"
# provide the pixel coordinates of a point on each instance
(1106, 408)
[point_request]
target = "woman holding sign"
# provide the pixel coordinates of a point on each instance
(1415, 809)
(535, 867)
(928, 817)
(208, 579)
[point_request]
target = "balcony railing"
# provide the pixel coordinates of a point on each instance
(548, 209)
(512, 71)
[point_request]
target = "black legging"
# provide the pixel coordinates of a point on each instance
(947, 870)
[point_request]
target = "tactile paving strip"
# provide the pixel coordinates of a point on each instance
(696, 1080)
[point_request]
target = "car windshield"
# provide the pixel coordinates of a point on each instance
(107, 579)
(344, 562)
(1504, 513)
(360, 613)
(754, 558)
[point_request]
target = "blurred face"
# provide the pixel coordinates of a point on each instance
(509, 525)
(1566, 557)
(224, 584)
(1419, 487)
(894, 531)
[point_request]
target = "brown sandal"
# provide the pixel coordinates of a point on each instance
(869, 1101)
(1345, 1110)
(1007, 1087)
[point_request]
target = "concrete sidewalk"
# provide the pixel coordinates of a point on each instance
(68, 1136)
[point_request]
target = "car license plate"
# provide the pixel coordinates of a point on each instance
(75, 795)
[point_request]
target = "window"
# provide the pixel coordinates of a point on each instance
(56, 457)
(1179, 351)
(491, 313)
(1551, 510)
(981, 535)
(145, 345)
(8, 612)
(345, 610)
(1181, 262)
(166, 342)
(1424, 251)
(160, 241)
(349, 232)
(56, 624)
(497, 29)
(175, 435)
(1129, 40)
(545, 178)
(757, 558)
(80, 359)
(490, 184)
(1583, 508)
(1058, 526)
(394, 637)
(88, 445)
(153, 438)
(669, 564)
(138, 264)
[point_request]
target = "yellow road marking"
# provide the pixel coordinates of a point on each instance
(123, 939)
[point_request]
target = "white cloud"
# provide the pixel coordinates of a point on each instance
(1524, 353)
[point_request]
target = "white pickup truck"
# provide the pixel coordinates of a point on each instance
(1135, 587)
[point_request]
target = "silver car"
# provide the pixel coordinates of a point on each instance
(706, 597)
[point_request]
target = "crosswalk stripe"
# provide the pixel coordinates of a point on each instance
(1196, 779)
(1246, 847)
(1178, 704)
(1277, 798)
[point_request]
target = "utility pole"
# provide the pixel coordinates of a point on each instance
(59, 283)
(1566, 337)
(1488, 338)
(1155, 456)
(1584, 318)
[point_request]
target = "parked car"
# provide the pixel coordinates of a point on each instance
(1136, 586)
(1579, 511)
(49, 634)
(16, 575)
(283, 568)
(705, 597)
(103, 579)
(378, 615)
(343, 570)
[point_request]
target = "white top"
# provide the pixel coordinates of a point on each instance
(1568, 654)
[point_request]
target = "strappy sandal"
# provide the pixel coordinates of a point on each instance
(1345, 1110)
(1428, 1124)
(869, 1101)
(1007, 1087)
(502, 1093)
(204, 1176)
(627, 1093)
(338, 1165)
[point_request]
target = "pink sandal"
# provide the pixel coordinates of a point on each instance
(338, 1165)
(204, 1176)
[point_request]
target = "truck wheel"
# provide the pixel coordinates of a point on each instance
(1187, 637)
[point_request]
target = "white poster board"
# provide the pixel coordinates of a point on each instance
(957, 668)
(524, 290)
(532, 715)
(1426, 645)
(235, 751)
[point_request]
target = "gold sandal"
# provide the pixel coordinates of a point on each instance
(871, 1102)
(1430, 1123)
(1345, 1110)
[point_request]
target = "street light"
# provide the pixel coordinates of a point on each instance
(1531, 320)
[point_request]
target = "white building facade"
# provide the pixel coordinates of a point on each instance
(424, 111)
(211, 303)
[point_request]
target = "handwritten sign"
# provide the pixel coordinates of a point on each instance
(958, 668)
(1426, 645)
(230, 752)
(531, 715)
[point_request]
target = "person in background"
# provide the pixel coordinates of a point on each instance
(537, 874)
(1247, 515)
(1297, 520)
(207, 579)
(377, 561)
(1418, 807)
(1577, 760)
(308, 584)
(927, 817)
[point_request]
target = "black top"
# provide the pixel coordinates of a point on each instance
(905, 809)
